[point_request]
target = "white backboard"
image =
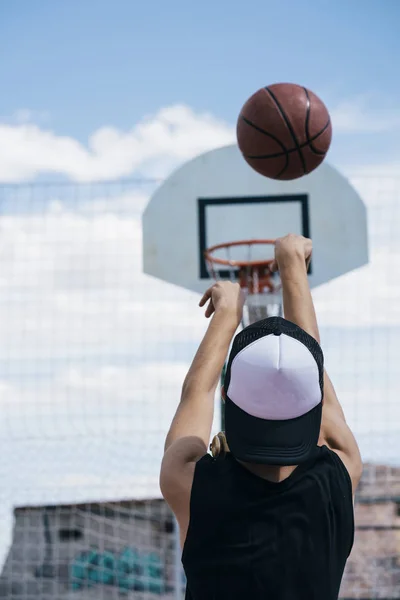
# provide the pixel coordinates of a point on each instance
(217, 197)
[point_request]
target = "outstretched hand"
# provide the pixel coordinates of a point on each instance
(291, 246)
(224, 296)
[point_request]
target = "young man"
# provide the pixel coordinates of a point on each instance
(273, 519)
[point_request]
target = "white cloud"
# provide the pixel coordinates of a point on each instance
(98, 401)
(369, 296)
(26, 115)
(363, 298)
(387, 173)
(365, 114)
(154, 145)
(72, 283)
(93, 346)
(151, 148)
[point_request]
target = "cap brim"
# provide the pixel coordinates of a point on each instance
(272, 442)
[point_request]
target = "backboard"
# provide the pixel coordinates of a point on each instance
(217, 197)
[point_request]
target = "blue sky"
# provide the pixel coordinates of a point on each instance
(80, 65)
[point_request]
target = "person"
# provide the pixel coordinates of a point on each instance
(271, 517)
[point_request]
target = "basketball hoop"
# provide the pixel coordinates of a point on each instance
(244, 261)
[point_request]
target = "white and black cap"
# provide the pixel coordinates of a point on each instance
(274, 391)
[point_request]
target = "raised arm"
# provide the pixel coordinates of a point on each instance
(190, 431)
(292, 255)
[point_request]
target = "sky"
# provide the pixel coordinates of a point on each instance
(91, 83)
(94, 352)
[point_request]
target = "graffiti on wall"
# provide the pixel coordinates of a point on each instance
(127, 570)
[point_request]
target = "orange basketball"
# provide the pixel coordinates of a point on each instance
(284, 131)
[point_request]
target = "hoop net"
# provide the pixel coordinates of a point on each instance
(249, 263)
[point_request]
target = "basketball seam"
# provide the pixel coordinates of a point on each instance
(251, 124)
(278, 175)
(289, 126)
(284, 153)
(310, 140)
(320, 152)
(291, 150)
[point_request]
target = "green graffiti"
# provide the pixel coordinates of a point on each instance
(128, 570)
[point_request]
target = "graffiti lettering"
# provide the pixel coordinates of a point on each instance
(129, 570)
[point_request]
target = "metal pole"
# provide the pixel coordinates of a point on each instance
(222, 403)
(177, 563)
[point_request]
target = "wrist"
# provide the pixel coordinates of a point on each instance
(229, 314)
(292, 260)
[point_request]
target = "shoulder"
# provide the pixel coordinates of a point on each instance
(340, 493)
(346, 455)
(337, 435)
(177, 476)
(335, 469)
(332, 485)
(177, 470)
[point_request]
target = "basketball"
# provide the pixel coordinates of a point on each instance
(284, 131)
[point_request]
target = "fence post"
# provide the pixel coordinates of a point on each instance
(177, 562)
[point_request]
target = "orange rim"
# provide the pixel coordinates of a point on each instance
(208, 254)
(254, 275)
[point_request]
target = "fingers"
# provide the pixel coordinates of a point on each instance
(223, 295)
(273, 267)
(290, 244)
(206, 296)
(209, 310)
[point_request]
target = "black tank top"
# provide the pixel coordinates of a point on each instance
(249, 538)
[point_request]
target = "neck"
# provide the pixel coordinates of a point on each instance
(269, 472)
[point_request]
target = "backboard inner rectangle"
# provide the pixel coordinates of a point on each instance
(232, 219)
